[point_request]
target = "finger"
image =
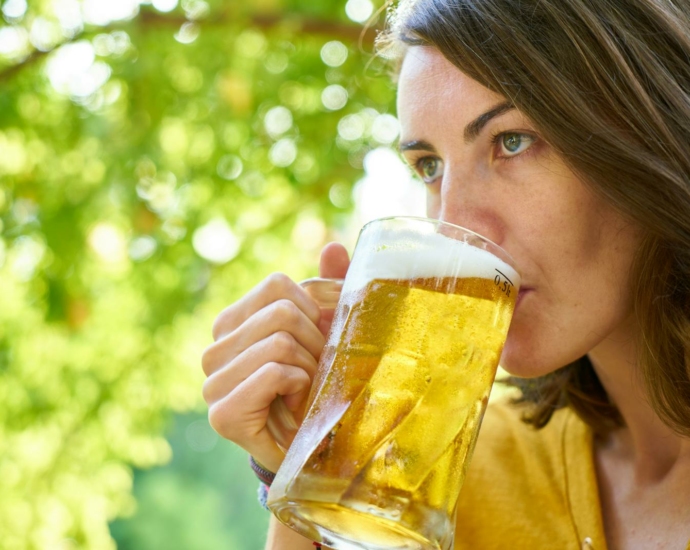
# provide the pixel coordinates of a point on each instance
(280, 316)
(334, 264)
(280, 347)
(334, 261)
(241, 416)
(275, 287)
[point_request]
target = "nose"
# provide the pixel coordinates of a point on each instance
(466, 200)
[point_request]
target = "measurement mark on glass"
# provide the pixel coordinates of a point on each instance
(504, 288)
(506, 278)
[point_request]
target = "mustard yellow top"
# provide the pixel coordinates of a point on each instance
(531, 489)
(543, 488)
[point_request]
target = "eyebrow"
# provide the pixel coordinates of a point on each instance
(471, 131)
(473, 128)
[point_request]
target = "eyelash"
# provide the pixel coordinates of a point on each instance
(418, 167)
(496, 138)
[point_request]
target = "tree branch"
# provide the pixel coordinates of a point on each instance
(8, 73)
(349, 33)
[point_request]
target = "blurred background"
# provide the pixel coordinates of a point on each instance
(158, 158)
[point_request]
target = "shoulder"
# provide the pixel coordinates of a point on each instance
(515, 489)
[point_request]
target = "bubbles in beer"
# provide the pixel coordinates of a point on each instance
(400, 392)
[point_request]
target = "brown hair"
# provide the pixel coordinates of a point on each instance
(608, 84)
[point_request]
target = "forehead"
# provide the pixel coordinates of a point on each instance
(431, 85)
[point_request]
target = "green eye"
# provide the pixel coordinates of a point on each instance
(513, 144)
(430, 168)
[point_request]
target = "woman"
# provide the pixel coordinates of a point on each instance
(559, 129)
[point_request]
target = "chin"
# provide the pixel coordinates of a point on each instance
(522, 370)
(521, 358)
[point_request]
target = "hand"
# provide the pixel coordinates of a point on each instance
(267, 344)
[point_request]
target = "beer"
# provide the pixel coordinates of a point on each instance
(400, 391)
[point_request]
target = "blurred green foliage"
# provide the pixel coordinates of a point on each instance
(204, 499)
(156, 161)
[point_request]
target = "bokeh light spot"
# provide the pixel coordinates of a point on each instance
(103, 12)
(174, 229)
(13, 154)
(164, 5)
(216, 242)
(251, 43)
(276, 62)
(14, 9)
(334, 53)
(351, 127)
(173, 137)
(385, 129)
(277, 121)
(195, 9)
(24, 211)
(334, 97)
(108, 242)
(14, 42)
(340, 195)
(69, 14)
(252, 184)
(359, 10)
(283, 153)
(73, 71)
(142, 248)
(45, 34)
(26, 254)
(187, 79)
(229, 167)
(306, 167)
(188, 33)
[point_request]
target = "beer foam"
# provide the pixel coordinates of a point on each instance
(411, 255)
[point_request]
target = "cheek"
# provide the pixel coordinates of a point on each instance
(580, 257)
(563, 229)
(433, 202)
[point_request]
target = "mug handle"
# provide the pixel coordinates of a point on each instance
(326, 292)
(281, 422)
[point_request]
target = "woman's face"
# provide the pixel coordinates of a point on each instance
(487, 168)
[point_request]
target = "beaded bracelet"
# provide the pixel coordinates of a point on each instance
(262, 495)
(264, 475)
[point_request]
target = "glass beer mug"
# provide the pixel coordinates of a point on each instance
(400, 390)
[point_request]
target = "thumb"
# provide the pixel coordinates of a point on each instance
(334, 261)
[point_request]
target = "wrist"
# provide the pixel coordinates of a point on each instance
(281, 537)
(266, 477)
